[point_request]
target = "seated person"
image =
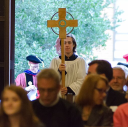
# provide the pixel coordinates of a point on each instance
(49, 108)
(16, 110)
(103, 67)
(119, 79)
(90, 99)
(120, 117)
(27, 79)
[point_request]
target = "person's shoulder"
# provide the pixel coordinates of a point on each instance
(68, 105)
(106, 108)
(117, 93)
(119, 97)
(80, 58)
(122, 95)
(122, 109)
(35, 102)
(21, 74)
(39, 125)
(64, 102)
(56, 58)
(123, 106)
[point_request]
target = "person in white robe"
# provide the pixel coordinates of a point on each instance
(75, 66)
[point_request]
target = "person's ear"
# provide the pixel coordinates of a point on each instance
(29, 64)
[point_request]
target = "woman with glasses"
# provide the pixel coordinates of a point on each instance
(16, 109)
(91, 101)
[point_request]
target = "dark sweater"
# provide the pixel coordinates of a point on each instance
(63, 114)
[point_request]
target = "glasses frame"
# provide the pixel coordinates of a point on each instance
(101, 91)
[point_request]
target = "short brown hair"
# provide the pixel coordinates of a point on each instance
(85, 96)
(104, 67)
(49, 73)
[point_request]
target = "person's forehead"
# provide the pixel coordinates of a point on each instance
(47, 82)
(68, 39)
(92, 68)
(10, 93)
(118, 72)
(34, 65)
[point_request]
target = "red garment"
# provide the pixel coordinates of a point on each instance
(120, 117)
(21, 81)
(38, 94)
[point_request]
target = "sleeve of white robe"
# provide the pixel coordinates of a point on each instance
(80, 75)
(76, 72)
(55, 64)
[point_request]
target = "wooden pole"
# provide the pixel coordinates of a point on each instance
(62, 24)
(63, 61)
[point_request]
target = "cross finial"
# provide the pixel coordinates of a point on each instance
(62, 23)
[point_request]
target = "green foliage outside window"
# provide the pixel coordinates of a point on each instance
(33, 37)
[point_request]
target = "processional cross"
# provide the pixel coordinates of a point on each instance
(62, 24)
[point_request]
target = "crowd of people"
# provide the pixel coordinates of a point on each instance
(99, 96)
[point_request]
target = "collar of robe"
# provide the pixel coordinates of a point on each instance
(71, 58)
(30, 72)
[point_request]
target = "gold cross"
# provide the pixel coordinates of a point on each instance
(62, 24)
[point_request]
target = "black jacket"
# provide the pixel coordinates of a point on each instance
(100, 116)
(115, 98)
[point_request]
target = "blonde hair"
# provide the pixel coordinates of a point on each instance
(85, 96)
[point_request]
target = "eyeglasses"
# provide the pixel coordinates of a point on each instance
(101, 91)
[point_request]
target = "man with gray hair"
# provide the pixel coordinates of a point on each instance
(119, 79)
(49, 108)
(103, 67)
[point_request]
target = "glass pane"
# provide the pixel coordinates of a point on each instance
(123, 37)
(121, 45)
(119, 54)
(122, 5)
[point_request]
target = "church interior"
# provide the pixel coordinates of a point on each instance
(70, 91)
